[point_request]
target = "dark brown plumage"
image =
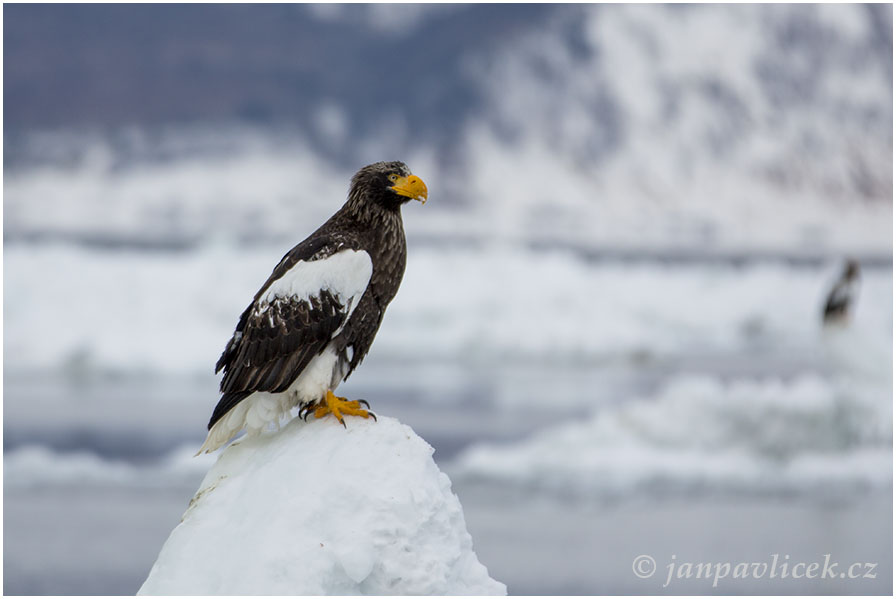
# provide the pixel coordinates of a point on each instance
(289, 324)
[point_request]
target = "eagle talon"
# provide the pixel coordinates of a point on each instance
(372, 415)
(340, 407)
(306, 411)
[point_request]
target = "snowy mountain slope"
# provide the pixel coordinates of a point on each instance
(710, 127)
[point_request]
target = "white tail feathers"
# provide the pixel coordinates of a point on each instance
(256, 413)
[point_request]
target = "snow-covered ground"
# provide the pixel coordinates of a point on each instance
(541, 375)
(635, 352)
(803, 436)
(170, 313)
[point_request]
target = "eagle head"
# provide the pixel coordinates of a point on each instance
(389, 184)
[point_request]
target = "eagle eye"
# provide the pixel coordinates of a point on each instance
(393, 177)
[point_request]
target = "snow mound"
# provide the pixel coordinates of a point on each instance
(320, 510)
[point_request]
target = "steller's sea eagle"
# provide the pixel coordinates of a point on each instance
(314, 319)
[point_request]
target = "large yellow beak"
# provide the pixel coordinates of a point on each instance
(412, 187)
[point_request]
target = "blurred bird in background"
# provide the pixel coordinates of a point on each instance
(842, 296)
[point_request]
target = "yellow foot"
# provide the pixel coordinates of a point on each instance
(339, 406)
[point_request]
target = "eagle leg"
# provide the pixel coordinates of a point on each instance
(339, 406)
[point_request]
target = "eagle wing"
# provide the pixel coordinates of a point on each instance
(305, 303)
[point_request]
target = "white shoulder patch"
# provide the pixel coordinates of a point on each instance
(345, 274)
